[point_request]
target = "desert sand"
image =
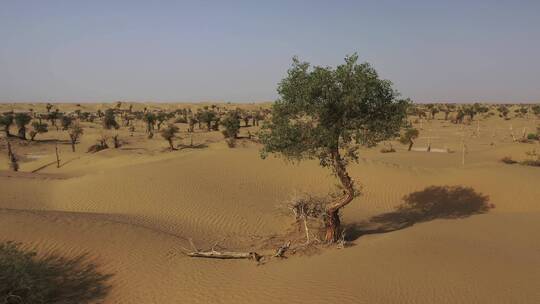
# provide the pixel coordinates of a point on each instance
(133, 210)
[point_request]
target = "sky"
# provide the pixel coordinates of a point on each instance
(433, 51)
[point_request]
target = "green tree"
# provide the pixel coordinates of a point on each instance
(6, 121)
(327, 114)
(66, 122)
(231, 123)
(150, 119)
(75, 131)
(21, 120)
(109, 121)
(38, 128)
(207, 117)
(408, 137)
(161, 117)
(169, 133)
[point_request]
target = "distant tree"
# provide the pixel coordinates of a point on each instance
(503, 110)
(246, 116)
(326, 114)
(150, 119)
(52, 117)
(169, 133)
(48, 106)
(536, 109)
(38, 128)
(109, 121)
(21, 120)
(433, 109)
(207, 117)
(231, 123)
(447, 109)
(6, 121)
(408, 137)
(161, 117)
(66, 122)
(75, 132)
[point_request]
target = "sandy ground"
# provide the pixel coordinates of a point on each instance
(133, 209)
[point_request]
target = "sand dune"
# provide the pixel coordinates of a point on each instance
(134, 209)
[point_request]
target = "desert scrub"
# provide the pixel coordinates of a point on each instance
(26, 277)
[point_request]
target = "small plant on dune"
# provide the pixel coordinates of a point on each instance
(327, 113)
(388, 148)
(533, 159)
(38, 128)
(169, 133)
(508, 160)
(231, 123)
(22, 120)
(408, 137)
(533, 136)
(75, 132)
(26, 277)
(101, 145)
(6, 121)
(109, 121)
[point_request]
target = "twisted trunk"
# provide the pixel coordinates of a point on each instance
(332, 220)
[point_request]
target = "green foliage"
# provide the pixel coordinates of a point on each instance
(169, 132)
(409, 135)
(536, 109)
(22, 119)
(150, 119)
(231, 123)
(109, 121)
(6, 121)
(207, 117)
(322, 110)
(66, 122)
(38, 128)
(26, 277)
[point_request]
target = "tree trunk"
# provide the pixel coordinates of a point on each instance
(411, 143)
(22, 133)
(332, 221)
(73, 145)
(171, 144)
(57, 156)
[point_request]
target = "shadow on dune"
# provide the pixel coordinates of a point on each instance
(434, 202)
(26, 277)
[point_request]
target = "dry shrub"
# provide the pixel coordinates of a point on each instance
(508, 160)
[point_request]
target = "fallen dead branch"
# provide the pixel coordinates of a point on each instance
(214, 254)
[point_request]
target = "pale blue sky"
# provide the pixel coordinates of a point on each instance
(239, 50)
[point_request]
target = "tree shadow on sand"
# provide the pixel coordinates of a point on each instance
(26, 277)
(434, 202)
